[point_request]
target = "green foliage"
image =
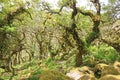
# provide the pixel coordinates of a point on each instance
(37, 72)
(110, 11)
(8, 29)
(9, 6)
(1, 70)
(84, 24)
(50, 63)
(106, 17)
(112, 1)
(64, 2)
(101, 54)
(63, 20)
(104, 53)
(35, 75)
(34, 78)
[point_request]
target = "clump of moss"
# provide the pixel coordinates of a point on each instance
(53, 75)
(35, 75)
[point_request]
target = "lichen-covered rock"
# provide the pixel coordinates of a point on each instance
(75, 74)
(86, 70)
(110, 77)
(117, 65)
(24, 77)
(53, 75)
(88, 77)
(83, 73)
(106, 69)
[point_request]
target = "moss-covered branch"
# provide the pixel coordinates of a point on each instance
(116, 46)
(95, 19)
(11, 16)
(86, 13)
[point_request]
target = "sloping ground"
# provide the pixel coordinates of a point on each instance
(41, 72)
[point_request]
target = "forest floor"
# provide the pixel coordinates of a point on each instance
(33, 70)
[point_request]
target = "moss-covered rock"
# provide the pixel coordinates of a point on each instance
(53, 75)
(88, 77)
(106, 69)
(117, 66)
(83, 73)
(110, 77)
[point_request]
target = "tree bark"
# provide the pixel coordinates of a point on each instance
(96, 21)
(79, 42)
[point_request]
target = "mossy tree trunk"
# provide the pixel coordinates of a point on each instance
(7, 21)
(72, 29)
